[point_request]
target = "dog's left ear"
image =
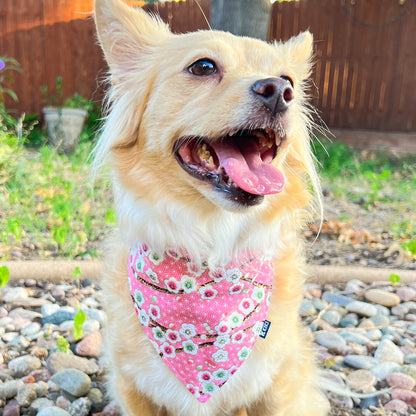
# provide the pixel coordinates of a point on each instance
(125, 33)
(300, 50)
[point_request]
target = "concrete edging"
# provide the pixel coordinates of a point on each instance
(56, 271)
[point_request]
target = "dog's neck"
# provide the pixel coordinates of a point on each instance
(217, 239)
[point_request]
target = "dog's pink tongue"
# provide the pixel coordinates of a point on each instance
(247, 169)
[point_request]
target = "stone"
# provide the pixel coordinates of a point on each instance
(349, 321)
(80, 407)
(388, 351)
(362, 381)
(335, 299)
(306, 308)
(332, 317)
(410, 370)
(58, 317)
(49, 309)
(96, 398)
(59, 361)
(406, 396)
(360, 361)
(361, 308)
(12, 408)
(380, 320)
(91, 325)
(72, 381)
(63, 403)
(354, 336)
(374, 335)
(9, 388)
(24, 313)
(410, 358)
(406, 293)
(112, 409)
(15, 293)
(382, 297)
(41, 403)
(397, 406)
(23, 365)
(19, 343)
(42, 388)
(26, 393)
(90, 346)
(30, 329)
(53, 411)
(401, 381)
(330, 340)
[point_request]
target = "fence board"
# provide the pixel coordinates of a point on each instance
(365, 60)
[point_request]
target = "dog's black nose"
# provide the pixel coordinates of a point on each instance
(275, 93)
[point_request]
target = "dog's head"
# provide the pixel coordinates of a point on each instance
(204, 117)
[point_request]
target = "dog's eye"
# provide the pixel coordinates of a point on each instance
(203, 67)
(287, 78)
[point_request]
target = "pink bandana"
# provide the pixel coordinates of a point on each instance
(203, 322)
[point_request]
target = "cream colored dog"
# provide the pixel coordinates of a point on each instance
(207, 137)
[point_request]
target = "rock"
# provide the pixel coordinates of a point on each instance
(30, 329)
(58, 317)
(397, 406)
(39, 404)
(80, 407)
(90, 346)
(96, 398)
(360, 361)
(59, 361)
(42, 388)
(410, 358)
(63, 403)
(72, 381)
(382, 297)
(339, 300)
(388, 351)
(112, 409)
(9, 388)
(406, 293)
(19, 343)
(53, 411)
(361, 308)
(410, 370)
(368, 402)
(354, 336)
(331, 340)
(380, 320)
(401, 381)
(362, 381)
(49, 309)
(26, 393)
(406, 396)
(91, 325)
(381, 370)
(374, 335)
(25, 314)
(349, 320)
(15, 293)
(11, 409)
(97, 315)
(332, 317)
(23, 365)
(307, 308)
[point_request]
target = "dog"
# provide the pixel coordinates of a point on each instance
(207, 136)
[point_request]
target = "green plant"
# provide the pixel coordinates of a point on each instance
(76, 273)
(7, 64)
(410, 247)
(4, 275)
(79, 320)
(62, 344)
(394, 279)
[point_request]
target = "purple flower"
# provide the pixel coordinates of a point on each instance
(2, 64)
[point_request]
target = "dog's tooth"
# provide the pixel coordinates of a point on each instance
(204, 153)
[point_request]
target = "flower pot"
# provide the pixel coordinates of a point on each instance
(64, 126)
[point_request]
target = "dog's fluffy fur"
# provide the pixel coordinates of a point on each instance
(153, 101)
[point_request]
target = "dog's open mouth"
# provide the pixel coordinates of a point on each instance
(238, 164)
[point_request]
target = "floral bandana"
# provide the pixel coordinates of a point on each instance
(203, 322)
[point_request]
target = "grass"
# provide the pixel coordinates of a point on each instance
(50, 209)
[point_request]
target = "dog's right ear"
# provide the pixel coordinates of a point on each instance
(125, 33)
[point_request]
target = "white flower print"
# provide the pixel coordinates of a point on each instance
(235, 320)
(144, 318)
(246, 306)
(139, 298)
(221, 356)
(188, 330)
(153, 277)
(173, 336)
(139, 264)
(218, 274)
(269, 298)
(221, 375)
(168, 350)
(258, 326)
(195, 269)
(238, 337)
(188, 284)
(222, 341)
(209, 388)
(190, 347)
(154, 312)
(204, 376)
(158, 334)
(173, 253)
(173, 285)
(243, 353)
(156, 258)
(236, 288)
(223, 328)
(193, 389)
(208, 292)
(258, 294)
(234, 275)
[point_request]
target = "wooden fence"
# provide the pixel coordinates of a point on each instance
(364, 75)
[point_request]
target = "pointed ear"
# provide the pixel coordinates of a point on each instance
(124, 32)
(300, 50)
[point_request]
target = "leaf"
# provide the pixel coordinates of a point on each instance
(62, 344)
(80, 318)
(4, 275)
(77, 332)
(76, 273)
(394, 279)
